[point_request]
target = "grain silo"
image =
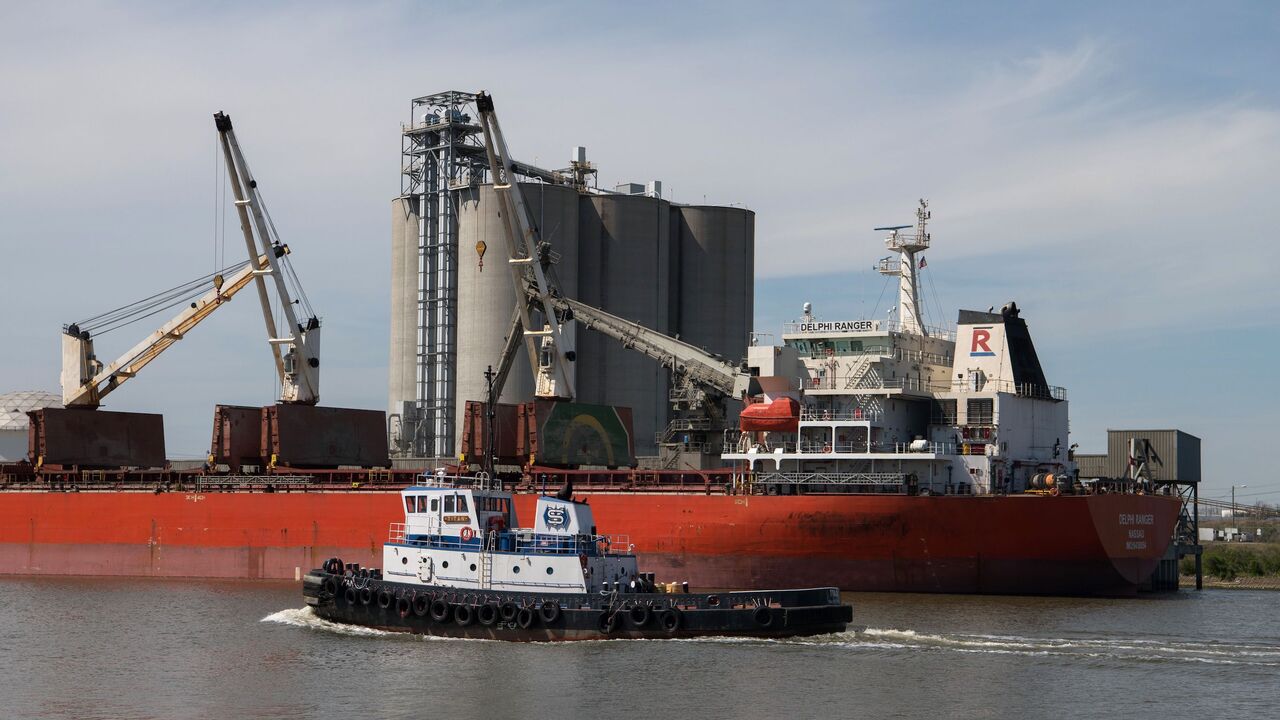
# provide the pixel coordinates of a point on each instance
(486, 296)
(682, 270)
(624, 260)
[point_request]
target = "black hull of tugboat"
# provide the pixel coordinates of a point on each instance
(543, 617)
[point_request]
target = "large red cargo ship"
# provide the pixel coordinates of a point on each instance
(1087, 544)
(875, 455)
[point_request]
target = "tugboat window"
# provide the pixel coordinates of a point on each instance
(444, 564)
(448, 503)
(408, 504)
(473, 567)
(515, 569)
(435, 504)
(404, 560)
(550, 570)
(462, 503)
(422, 503)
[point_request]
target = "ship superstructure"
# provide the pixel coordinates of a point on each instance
(895, 406)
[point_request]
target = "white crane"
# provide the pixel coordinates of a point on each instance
(702, 380)
(86, 380)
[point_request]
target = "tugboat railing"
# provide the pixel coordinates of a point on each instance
(522, 542)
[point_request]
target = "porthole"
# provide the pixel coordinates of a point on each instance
(624, 571)
(515, 569)
(473, 567)
(404, 560)
(550, 570)
(444, 564)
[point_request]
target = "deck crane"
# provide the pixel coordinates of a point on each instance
(86, 380)
(702, 381)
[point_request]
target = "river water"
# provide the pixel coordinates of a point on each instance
(112, 648)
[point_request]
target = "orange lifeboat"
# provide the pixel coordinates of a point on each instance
(781, 415)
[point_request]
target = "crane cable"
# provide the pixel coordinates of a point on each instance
(154, 304)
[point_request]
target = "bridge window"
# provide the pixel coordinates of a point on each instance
(408, 504)
(448, 503)
(462, 503)
(435, 504)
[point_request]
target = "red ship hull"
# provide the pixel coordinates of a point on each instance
(1067, 545)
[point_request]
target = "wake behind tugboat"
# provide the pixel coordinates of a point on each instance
(460, 567)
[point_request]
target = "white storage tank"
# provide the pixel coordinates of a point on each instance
(14, 420)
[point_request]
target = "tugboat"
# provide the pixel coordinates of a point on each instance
(459, 566)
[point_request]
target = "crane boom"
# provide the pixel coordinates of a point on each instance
(525, 251)
(704, 379)
(85, 381)
(299, 366)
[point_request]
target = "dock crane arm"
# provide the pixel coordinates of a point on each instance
(85, 381)
(299, 366)
(702, 379)
(525, 250)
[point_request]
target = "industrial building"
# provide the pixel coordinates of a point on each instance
(14, 421)
(685, 270)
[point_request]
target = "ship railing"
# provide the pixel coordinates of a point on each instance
(396, 533)
(531, 542)
(928, 447)
(809, 447)
(1030, 390)
(479, 481)
(812, 415)
(830, 478)
(852, 383)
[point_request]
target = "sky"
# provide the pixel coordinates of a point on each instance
(1110, 166)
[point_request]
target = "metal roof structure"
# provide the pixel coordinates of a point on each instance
(14, 407)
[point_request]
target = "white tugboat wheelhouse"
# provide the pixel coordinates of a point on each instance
(467, 536)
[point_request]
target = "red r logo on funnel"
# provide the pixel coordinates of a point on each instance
(981, 336)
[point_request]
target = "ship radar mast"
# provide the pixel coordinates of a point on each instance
(905, 266)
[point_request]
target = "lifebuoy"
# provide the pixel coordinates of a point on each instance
(467, 534)
(549, 612)
(1054, 491)
(826, 448)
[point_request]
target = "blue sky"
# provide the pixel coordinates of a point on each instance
(1113, 169)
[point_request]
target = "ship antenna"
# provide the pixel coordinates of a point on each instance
(906, 269)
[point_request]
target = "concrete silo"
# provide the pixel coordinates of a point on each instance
(403, 358)
(486, 297)
(624, 260)
(713, 272)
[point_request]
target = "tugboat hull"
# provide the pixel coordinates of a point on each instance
(544, 617)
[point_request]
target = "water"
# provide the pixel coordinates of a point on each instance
(110, 648)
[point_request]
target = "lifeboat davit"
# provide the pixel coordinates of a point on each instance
(780, 415)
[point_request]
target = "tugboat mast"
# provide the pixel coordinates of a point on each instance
(905, 267)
